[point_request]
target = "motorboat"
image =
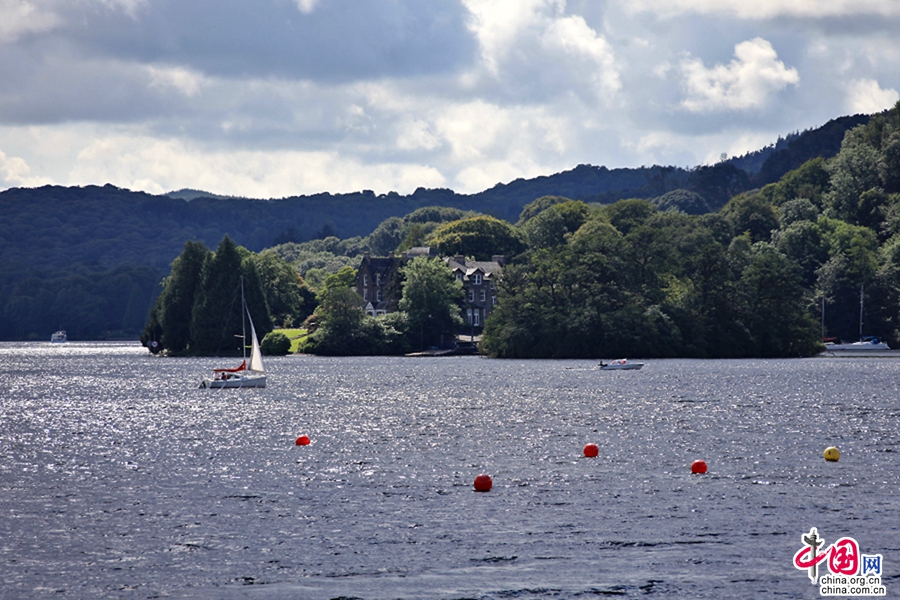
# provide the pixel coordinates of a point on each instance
(868, 344)
(59, 337)
(620, 365)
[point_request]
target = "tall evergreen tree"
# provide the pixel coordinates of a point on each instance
(216, 317)
(177, 299)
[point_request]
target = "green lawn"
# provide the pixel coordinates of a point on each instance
(297, 336)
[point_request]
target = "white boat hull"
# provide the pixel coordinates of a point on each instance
(234, 382)
(242, 376)
(621, 365)
(857, 347)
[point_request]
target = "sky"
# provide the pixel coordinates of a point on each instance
(276, 98)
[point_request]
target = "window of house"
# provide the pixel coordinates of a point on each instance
(366, 295)
(483, 295)
(365, 280)
(494, 300)
(477, 318)
(477, 278)
(377, 278)
(471, 295)
(469, 316)
(378, 295)
(459, 276)
(378, 313)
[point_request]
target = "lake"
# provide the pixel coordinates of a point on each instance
(119, 478)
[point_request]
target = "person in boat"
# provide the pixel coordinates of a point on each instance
(602, 364)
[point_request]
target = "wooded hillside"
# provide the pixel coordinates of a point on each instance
(90, 259)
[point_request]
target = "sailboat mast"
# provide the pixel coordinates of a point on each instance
(860, 312)
(243, 323)
(823, 316)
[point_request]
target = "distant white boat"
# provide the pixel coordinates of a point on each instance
(864, 344)
(243, 376)
(869, 344)
(59, 337)
(620, 365)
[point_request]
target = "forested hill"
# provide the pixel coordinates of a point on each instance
(66, 251)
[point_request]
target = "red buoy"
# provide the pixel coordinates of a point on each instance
(698, 467)
(303, 440)
(591, 450)
(483, 483)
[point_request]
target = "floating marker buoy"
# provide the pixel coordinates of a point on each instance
(483, 483)
(303, 440)
(832, 454)
(591, 450)
(698, 467)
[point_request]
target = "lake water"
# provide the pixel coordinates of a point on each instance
(119, 478)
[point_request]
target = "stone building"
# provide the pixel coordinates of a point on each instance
(379, 284)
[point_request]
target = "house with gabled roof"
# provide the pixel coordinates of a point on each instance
(379, 283)
(479, 279)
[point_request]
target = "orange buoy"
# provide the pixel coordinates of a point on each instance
(698, 467)
(483, 483)
(303, 440)
(591, 450)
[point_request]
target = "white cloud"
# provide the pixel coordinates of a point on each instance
(768, 9)
(18, 17)
(155, 165)
(307, 6)
(129, 6)
(534, 48)
(15, 172)
(182, 80)
(417, 134)
(661, 145)
(300, 96)
(747, 82)
(866, 96)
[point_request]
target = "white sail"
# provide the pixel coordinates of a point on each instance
(255, 355)
(241, 377)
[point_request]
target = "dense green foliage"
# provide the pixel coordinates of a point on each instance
(748, 281)
(89, 301)
(90, 259)
(432, 300)
(275, 344)
(429, 314)
(665, 288)
(199, 310)
(481, 237)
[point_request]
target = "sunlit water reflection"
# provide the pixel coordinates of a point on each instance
(118, 477)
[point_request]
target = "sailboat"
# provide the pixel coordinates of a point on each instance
(864, 343)
(243, 376)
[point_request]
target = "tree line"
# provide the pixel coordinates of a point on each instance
(199, 310)
(61, 246)
(635, 278)
(748, 280)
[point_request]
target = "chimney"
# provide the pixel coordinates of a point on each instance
(460, 259)
(499, 259)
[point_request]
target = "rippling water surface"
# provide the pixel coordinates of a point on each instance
(119, 478)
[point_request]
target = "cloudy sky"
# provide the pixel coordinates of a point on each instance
(272, 98)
